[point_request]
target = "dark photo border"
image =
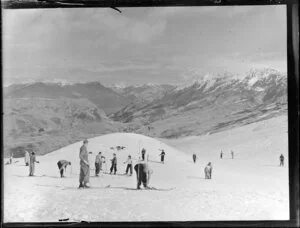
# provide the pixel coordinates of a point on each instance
(292, 7)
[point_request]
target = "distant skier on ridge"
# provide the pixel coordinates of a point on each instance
(281, 158)
(162, 156)
(194, 158)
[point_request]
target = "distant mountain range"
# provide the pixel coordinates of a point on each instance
(46, 116)
(210, 104)
(103, 97)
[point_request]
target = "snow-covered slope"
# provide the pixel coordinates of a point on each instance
(250, 187)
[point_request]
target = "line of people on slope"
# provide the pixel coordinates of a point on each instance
(231, 153)
(142, 169)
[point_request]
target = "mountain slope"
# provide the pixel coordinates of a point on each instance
(45, 124)
(210, 104)
(104, 98)
(143, 93)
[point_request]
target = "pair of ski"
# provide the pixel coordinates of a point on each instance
(149, 188)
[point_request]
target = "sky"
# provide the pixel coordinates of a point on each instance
(161, 45)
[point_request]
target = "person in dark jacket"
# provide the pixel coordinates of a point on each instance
(129, 165)
(162, 156)
(143, 154)
(208, 171)
(113, 164)
(221, 154)
(281, 159)
(194, 158)
(84, 176)
(32, 164)
(143, 173)
(62, 166)
(98, 164)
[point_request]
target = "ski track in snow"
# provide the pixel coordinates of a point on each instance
(250, 187)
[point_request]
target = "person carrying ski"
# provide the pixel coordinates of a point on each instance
(194, 158)
(32, 162)
(143, 173)
(84, 176)
(143, 154)
(98, 164)
(27, 158)
(62, 166)
(162, 156)
(129, 165)
(281, 158)
(208, 171)
(113, 164)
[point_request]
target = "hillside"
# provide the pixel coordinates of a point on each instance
(236, 191)
(143, 93)
(210, 104)
(104, 98)
(44, 124)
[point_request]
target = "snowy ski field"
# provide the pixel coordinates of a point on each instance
(251, 186)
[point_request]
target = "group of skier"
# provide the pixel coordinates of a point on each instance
(231, 153)
(207, 169)
(142, 169)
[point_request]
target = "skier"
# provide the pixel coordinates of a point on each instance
(113, 164)
(232, 154)
(32, 164)
(27, 158)
(162, 156)
(11, 158)
(84, 177)
(143, 154)
(221, 155)
(98, 164)
(194, 158)
(143, 173)
(129, 165)
(62, 166)
(208, 171)
(103, 162)
(281, 158)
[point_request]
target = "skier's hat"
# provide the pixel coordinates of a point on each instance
(85, 141)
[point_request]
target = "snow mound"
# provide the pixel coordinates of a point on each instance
(107, 144)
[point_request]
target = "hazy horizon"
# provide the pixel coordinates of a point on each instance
(159, 45)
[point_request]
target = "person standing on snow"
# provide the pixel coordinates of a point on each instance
(98, 164)
(162, 156)
(208, 171)
(232, 155)
(143, 154)
(143, 173)
(194, 158)
(281, 159)
(27, 158)
(129, 165)
(84, 176)
(113, 164)
(62, 166)
(32, 162)
(221, 154)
